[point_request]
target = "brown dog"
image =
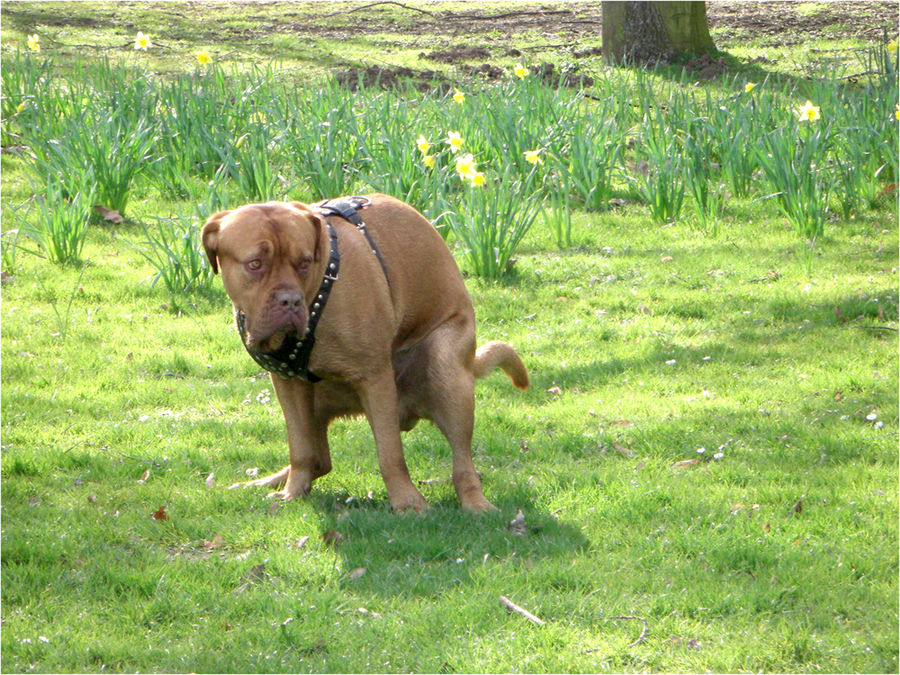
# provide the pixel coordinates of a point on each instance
(395, 341)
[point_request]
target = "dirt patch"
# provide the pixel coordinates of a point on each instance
(458, 54)
(779, 23)
(389, 78)
(576, 21)
(706, 67)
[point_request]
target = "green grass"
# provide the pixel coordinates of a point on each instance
(645, 343)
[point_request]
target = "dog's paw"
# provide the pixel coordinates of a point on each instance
(410, 501)
(478, 505)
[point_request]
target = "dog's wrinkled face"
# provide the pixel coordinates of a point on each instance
(270, 256)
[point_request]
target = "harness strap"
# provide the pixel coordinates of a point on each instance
(348, 208)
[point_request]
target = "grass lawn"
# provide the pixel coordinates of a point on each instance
(706, 462)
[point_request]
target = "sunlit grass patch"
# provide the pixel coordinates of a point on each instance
(708, 446)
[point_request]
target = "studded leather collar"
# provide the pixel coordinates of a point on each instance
(291, 359)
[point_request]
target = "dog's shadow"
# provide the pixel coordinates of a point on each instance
(442, 547)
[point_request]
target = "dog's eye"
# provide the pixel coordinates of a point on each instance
(254, 265)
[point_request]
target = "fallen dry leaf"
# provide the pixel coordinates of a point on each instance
(687, 462)
(332, 537)
(517, 525)
(556, 391)
(621, 423)
(160, 514)
(366, 612)
(144, 477)
(301, 542)
(624, 451)
(356, 573)
(109, 215)
(210, 480)
(274, 507)
(216, 542)
(798, 507)
(256, 573)
(92, 498)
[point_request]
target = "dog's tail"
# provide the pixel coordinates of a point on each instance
(493, 354)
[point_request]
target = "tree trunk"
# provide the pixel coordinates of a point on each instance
(645, 33)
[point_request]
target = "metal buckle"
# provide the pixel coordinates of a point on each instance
(361, 202)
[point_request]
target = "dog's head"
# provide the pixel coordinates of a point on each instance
(272, 258)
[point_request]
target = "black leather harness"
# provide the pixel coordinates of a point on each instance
(291, 359)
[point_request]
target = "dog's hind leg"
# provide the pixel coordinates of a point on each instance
(450, 395)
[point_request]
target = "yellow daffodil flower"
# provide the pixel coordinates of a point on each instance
(749, 87)
(459, 97)
(34, 43)
(422, 144)
(892, 46)
(241, 140)
(454, 140)
(477, 179)
(142, 42)
(429, 161)
(203, 57)
(21, 106)
(534, 156)
(520, 71)
(466, 166)
(808, 112)
(897, 112)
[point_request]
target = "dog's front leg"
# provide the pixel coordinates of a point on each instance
(307, 438)
(378, 396)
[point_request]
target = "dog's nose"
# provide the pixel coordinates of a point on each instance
(290, 300)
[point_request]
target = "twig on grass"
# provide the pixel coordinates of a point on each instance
(874, 327)
(373, 4)
(513, 607)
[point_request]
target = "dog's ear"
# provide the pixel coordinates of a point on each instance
(210, 238)
(320, 225)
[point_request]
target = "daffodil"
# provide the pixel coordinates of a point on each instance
(34, 43)
(422, 144)
(203, 57)
(808, 112)
(892, 46)
(429, 161)
(520, 71)
(142, 42)
(454, 140)
(477, 179)
(749, 87)
(897, 112)
(534, 156)
(458, 96)
(466, 166)
(21, 106)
